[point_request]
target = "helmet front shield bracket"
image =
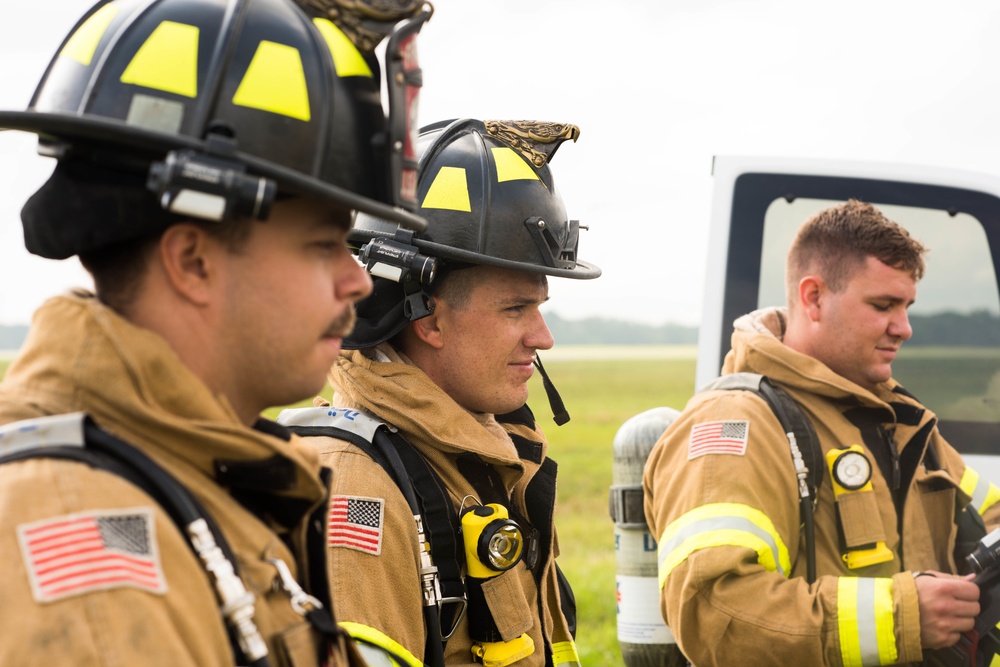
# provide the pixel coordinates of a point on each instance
(555, 254)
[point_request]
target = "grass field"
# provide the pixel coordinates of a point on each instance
(602, 387)
(600, 394)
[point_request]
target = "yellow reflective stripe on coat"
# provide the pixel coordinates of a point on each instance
(379, 649)
(995, 661)
(984, 495)
(865, 622)
(564, 655)
(723, 525)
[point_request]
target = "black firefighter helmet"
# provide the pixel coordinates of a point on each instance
(489, 197)
(212, 107)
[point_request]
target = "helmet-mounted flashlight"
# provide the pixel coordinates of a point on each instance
(396, 259)
(494, 542)
(210, 186)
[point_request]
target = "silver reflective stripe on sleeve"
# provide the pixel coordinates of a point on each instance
(374, 656)
(865, 622)
(722, 525)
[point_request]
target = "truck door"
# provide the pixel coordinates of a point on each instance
(952, 362)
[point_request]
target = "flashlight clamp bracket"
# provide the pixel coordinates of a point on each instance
(398, 259)
(210, 184)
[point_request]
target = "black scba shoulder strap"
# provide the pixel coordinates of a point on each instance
(807, 454)
(427, 497)
(77, 438)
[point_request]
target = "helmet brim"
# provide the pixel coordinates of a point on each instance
(140, 143)
(581, 271)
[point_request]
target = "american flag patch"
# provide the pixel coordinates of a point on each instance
(722, 437)
(78, 553)
(356, 523)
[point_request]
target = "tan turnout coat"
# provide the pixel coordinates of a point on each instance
(728, 524)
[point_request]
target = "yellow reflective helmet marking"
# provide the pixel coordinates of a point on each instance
(511, 166)
(865, 622)
(347, 60)
(275, 81)
(395, 652)
(722, 525)
(167, 60)
(564, 654)
(984, 495)
(83, 43)
(448, 191)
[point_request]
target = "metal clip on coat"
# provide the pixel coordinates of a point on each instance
(237, 601)
(302, 602)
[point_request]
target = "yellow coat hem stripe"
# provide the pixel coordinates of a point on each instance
(564, 654)
(369, 635)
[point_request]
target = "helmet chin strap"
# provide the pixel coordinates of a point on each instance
(559, 414)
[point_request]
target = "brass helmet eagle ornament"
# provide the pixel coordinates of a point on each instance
(489, 197)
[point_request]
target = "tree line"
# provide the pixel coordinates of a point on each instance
(975, 329)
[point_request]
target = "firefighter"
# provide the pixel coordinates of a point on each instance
(209, 156)
(440, 360)
(722, 495)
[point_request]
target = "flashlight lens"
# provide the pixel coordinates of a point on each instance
(505, 546)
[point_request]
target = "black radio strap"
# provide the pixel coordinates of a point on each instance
(423, 490)
(807, 454)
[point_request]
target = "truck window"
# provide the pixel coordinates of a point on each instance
(952, 362)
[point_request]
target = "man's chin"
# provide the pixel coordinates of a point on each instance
(880, 375)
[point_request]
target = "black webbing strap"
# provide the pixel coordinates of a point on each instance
(414, 477)
(792, 420)
(440, 522)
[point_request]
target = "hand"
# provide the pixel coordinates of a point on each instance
(948, 605)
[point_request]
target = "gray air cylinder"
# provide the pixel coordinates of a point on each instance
(644, 639)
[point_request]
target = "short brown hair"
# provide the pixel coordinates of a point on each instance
(837, 240)
(454, 283)
(119, 269)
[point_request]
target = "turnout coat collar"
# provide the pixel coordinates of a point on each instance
(82, 355)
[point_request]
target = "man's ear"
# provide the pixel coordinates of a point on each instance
(811, 291)
(188, 255)
(429, 329)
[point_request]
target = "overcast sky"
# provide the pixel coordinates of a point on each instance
(658, 88)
